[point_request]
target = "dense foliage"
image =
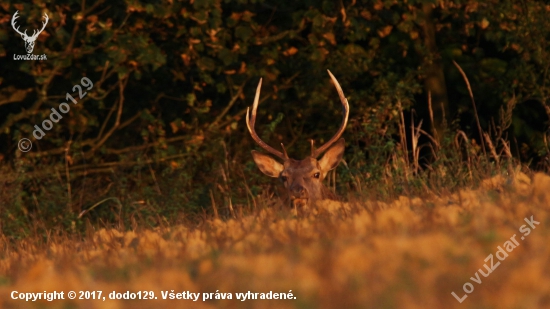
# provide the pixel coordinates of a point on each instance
(172, 81)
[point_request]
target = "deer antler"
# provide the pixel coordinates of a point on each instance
(34, 34)
(14, 17)
(251, 120)
(345, 109)
(44, 23)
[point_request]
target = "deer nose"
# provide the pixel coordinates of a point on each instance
(297, 190)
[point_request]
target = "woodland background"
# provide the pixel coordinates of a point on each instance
(161, 135)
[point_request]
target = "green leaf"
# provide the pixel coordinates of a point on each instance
(243, 33)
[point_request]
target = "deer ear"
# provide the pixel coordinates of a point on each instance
(332, 156)
(267, 164)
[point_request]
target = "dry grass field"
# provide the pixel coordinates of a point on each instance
(409, 253)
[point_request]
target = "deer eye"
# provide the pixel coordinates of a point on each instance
(316, 175)
(284, 178)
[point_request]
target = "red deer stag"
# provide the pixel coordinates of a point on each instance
(303, 179)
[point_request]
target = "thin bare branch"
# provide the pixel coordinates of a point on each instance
(474, 104)
(228, 107)
(122, 85)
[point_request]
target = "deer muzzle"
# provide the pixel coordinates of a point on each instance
(299, 202)
(298, 195)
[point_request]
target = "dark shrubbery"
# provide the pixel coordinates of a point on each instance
(162, 130)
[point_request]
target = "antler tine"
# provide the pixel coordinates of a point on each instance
(251, 120)
(284, 151)
(345, 109)
(14, 17)
(44, 23)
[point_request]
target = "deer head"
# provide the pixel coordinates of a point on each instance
(29, 40)
(303, 179)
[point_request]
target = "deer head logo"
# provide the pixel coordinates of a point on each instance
(29, 40)
(303, 179)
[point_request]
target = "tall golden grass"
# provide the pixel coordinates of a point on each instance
(409, 253)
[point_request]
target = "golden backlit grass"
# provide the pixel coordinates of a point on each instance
(410, 253)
